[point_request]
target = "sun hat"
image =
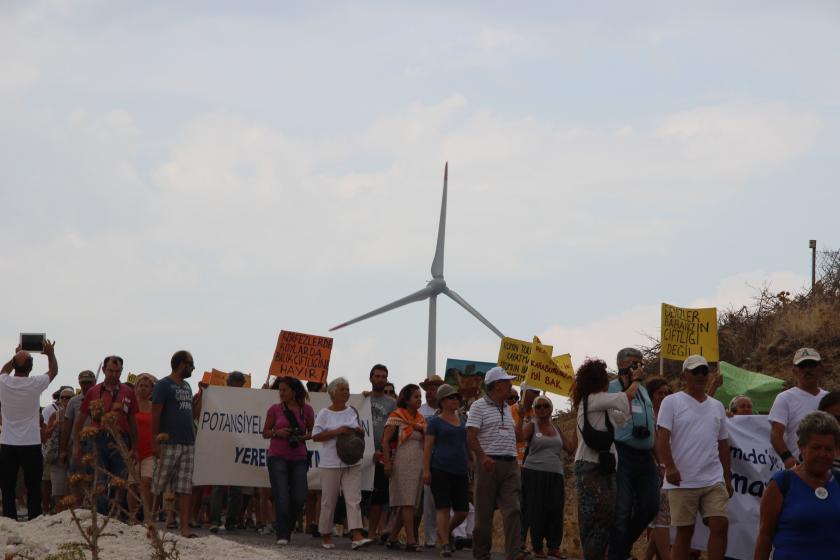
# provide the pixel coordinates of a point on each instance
(433, 379)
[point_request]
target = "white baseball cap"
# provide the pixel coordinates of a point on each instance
(805, 354)
(497, 374)
(694, 362)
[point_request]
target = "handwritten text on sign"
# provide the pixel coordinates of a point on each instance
(686, 332)
(546, 373)
(302, 356)
(515, 356)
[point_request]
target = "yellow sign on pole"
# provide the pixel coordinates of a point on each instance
(686, 332)
(515, 356)
(553, 375)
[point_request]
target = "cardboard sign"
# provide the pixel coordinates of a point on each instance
(544, 372)
(302, 356)
(219, 378)
(515, 356)
(686, 332)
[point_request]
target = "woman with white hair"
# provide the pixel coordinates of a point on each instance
(332, 422)
(800, 507)
(57, 468)
(542, 477)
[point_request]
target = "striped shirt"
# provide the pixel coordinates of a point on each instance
(496, 430)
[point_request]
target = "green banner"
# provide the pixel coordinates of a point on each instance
(762, 389)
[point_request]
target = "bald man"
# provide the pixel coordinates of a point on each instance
(20, 440)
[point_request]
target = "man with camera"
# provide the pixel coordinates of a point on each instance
(637, 480)
(20, 439)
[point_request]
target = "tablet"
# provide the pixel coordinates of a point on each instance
(32, 342)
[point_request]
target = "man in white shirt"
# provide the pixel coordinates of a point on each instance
(791, 406)
(492, 436)
(692, 442)
(20, 440)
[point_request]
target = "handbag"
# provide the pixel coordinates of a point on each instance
(598, 440)
(350, 447)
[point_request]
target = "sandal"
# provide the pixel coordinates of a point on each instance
(413, 547)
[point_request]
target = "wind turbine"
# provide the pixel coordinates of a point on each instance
(435, 287)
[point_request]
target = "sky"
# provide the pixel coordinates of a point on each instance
(202, 175)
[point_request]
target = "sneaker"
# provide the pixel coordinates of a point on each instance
(214, 529)
(282, 542)
(446, 551)
(361, 543)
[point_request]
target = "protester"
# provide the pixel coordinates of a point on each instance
(690, 424)
(289, 425)
(47, 413)
(87, 379)
(428, 409)
(222, 493)
(390, 390)
(492, 436)
(332, 422)
(659, 542)
(740, 405)
(405, 467)
(381, 406)
(637, 482)
(143, 386)
(20, 438)
(172, 418)
(53, 433)
(523, 411)
(595, 458)
(109, 397)
(791, 406)
(830, 403)
(800, 508)
(513, 397)
(445, 466)
(543, 486)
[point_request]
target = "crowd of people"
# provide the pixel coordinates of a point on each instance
(646, 459)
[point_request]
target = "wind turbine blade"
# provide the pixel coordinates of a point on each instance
(437, 263)
(460, 301)
(419, 295)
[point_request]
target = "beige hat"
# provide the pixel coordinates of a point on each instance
(433, 379)
(804, 354)
(694, 362)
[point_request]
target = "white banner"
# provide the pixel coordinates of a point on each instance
(230, 449)
(753, 463)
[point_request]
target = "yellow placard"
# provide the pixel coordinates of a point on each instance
(546, 373)
(515, 356)
(686, 332)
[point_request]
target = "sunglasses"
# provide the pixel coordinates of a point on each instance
(65, 398)
(540, 406)
(702, 370)
(513, 399)
(453, 396)
(807, 364)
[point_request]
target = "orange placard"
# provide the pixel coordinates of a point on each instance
(302, 356)
(215, 377)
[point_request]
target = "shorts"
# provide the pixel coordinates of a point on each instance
(58, 475)
(449, 490)
(175, 468)
(685, 503)
(379, 496)
(147, 467)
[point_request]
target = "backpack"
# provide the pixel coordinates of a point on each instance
(600, 441)
(52, 444)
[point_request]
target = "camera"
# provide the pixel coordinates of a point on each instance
(294, 437)
(640, 432)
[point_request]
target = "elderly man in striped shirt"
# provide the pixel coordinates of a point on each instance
(492, 436)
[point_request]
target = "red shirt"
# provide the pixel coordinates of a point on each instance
(124, 395)
(144, 434)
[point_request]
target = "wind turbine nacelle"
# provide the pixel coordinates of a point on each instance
(437, 285)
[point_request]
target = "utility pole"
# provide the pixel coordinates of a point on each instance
(813, 245)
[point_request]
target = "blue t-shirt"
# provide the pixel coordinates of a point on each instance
(176, 418)
(807, 526)
(449, 453)
(642, 409)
